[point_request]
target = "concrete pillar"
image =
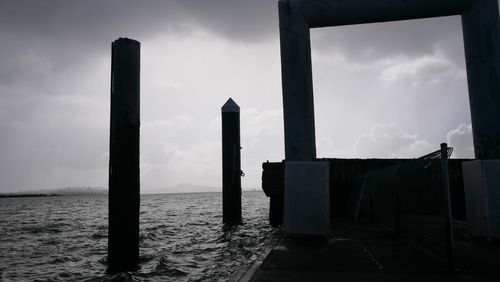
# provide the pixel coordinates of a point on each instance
(307, 198)
(296, 73)
(123, 232)
(231, 163)
(481, 32)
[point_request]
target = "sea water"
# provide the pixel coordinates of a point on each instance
(182, 238)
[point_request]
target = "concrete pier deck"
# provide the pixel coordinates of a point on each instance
(368, 252)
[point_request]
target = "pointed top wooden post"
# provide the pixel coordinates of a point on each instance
(230, 106)
(231, 163)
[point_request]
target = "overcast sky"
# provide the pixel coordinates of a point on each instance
(382, 90)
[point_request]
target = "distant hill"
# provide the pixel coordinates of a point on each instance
(66, 191)
(86, 191)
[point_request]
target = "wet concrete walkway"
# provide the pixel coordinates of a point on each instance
(368, 252)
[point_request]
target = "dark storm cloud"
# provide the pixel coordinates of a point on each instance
(48, 47)
(44, 41)
(80, 20)
(42, 37)
(237, 19)
(369, 42)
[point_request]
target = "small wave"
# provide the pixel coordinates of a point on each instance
(99, 236)
(41, 229)
(120, 277)
(168, 268)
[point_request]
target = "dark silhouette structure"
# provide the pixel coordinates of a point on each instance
(231, 163)
(273, 179)
(412, 198)
(481, 34)
(124, 198)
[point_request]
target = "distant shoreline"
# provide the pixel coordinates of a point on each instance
(27, 195)
(98, 193)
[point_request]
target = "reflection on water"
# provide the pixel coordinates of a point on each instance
(182, 238)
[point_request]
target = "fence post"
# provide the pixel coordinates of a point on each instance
(397, 216)
(123, 229)
(450, 244)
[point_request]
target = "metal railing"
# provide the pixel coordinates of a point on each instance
(406, 196)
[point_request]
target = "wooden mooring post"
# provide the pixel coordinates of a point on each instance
(231, 163)
(124, 198)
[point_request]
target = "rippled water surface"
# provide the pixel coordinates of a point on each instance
(182, 238)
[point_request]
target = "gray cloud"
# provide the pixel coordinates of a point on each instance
(460, 139)
(388, 141)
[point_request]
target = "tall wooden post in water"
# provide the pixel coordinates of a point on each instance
(123, 232)
(231, 163)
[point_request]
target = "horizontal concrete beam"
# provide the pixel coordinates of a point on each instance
(323, 13)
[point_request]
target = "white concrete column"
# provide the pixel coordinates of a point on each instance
(481, 29)
(296, 74)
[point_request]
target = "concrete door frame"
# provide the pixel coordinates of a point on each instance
(481, 32)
